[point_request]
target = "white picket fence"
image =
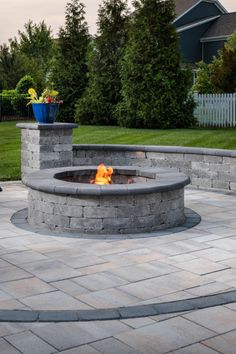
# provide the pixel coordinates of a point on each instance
(216, 110)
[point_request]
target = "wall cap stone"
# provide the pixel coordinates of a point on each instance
(152, 148)
(54, 126)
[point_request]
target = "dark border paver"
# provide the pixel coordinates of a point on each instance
(120, 312)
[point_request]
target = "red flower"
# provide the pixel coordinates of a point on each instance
(49, 99)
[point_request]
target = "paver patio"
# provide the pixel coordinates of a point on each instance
(43, 272)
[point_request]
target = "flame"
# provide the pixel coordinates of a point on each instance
(103, 175)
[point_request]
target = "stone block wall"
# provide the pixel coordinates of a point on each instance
(45, 146)
(207, 168)
(120, 214)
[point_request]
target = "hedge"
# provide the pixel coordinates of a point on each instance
(13, 104)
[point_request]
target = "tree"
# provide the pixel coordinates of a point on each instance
(69, 74)
(36, 46)
(11, 69)
(220, 75)
(204, 82)
(224, 75)
(103, 92)
(31, 54)
(154, 86)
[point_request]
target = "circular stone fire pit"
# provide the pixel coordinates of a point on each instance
(139, 200)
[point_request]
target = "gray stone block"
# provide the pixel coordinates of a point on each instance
(54, 221)
(173, 307)
(83, 201)
(54, 139)
(121, 201)
(206, 301)
(193, 157)
(228, 297)
(68, 210)
(58, 316)
(137, 311)
(49, 156)
(220, 184)
(18, 316)
(174, 157)
(48, 164)
(46, 148)
(66, 155)
(219, 167)
(88, 225)
(62, 147)
(155, 156)
(202, 166)
(233, 186)
(100, 212)
(97, 315)
(135, 154)
(114, 224)
(65, 139)
(213, 159)
(44, 207)
(201, 182)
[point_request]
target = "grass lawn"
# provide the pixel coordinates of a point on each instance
(210, 138)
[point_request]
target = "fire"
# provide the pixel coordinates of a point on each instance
(103, 175)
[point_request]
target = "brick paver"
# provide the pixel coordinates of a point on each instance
(39, 271)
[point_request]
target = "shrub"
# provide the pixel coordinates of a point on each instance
(24, 84)
(13, 104)
(219, 76)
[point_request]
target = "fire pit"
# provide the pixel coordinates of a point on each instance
(139, 200)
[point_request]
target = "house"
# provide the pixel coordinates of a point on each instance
(203, 27)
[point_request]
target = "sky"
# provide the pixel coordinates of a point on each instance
(15, 13)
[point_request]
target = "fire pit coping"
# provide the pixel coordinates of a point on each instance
(161, 180)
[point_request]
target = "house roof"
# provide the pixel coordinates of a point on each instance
(225, 25)
(183, 5)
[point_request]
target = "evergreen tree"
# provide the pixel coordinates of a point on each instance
(11, 66)
(69, 74)
(103, 91)
(154, 86)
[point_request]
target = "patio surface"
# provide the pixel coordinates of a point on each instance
(42, 272)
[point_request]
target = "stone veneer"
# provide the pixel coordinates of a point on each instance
(207, 168)
(155, 203)
(45, 146)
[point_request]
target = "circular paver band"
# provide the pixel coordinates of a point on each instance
(119, 313)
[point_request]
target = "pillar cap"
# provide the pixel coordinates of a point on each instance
(54, 126)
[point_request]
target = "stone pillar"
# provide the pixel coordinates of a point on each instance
(45, 146)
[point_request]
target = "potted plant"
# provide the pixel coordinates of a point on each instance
(45, 107)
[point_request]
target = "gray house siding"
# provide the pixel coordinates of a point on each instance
(190, 45)
(210, 49)
(199, 12)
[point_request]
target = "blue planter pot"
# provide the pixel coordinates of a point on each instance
(45, 113)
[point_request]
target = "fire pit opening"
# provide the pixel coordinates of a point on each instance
(105, 176)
